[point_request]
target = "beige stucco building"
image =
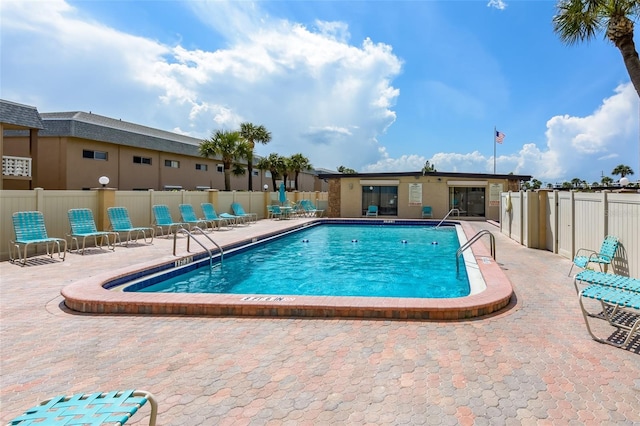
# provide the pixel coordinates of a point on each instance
(403, 195)
(72, 150)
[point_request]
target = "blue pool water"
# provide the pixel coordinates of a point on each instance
(337, 260)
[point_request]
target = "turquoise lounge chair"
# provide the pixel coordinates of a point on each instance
(372, 211)
(84, 226)
(162, 219)
(620, 308)
(210, 214)
(121, 223)
(310, 208)
(609, 280)
(427, 212)
(604, 257)
(238, 210)
(29, 229)
(189, 217)
(115, 407)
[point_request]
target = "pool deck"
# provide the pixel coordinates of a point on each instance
(532, 363)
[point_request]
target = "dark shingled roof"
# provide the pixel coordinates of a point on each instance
(19, 115)
(99, 128)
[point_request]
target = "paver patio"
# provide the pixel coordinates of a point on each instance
(533, 363)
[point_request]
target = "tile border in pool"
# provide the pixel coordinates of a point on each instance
(91, 296)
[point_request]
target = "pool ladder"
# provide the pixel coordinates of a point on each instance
(447, 215)
(190, 236)
(473, 240)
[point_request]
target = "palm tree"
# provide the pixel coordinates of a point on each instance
(346, 170)
(606, 181)
(226, 144)
(299, 163)
(275, 164)
(252, 134)
(622, 170)
(580, 20)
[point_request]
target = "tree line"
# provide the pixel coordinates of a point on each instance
(235, 147)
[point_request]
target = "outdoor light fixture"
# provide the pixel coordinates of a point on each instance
(104, 181)
(624, 181)
(266, 187)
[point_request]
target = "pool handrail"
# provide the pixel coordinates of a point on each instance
(447, 215)
(190, 236)
(473, 240)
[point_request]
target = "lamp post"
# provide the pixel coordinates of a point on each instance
(624, 181)
(266, 187)
(104, 181)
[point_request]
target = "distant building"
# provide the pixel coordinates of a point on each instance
(72, 150)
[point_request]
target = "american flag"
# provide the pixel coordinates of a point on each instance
(499, 136)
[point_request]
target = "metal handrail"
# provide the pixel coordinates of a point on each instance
(190, 236)
(447, 215)
(473, 239)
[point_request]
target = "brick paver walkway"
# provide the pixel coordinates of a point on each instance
(533, 364)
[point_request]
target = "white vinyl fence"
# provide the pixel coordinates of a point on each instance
(564, 222)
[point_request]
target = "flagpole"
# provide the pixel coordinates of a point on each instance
(494, 149)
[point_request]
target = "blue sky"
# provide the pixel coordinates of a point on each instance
(372, 85)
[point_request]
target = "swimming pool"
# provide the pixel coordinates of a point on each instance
(94, 294)
(333, 260)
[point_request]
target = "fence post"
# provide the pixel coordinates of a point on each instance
(106, 199)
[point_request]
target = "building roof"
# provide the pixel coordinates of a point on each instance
(96, 127)
(391, 175)
(19, 116)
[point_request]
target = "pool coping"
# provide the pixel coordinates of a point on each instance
(90, 296)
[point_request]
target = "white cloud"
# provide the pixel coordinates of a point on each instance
(497, 4)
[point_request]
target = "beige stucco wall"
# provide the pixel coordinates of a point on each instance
(435, 193)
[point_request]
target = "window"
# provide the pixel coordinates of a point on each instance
(385, 197)
(141, 160)
(95, 155)
(469, 201)
(256, 172)
(172, 163)
(220, 168)
(202, 167)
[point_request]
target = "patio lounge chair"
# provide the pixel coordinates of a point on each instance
(115, 407)
(238, 210)
(605, 256)
(620, 308)
(427, 211)
(210, 214)
(609, 280)
(162, 219)
(84, 226)
(277, 212)
(121, 222)
(372, 211)
(29, 229)
(310, 208)
(189, 217)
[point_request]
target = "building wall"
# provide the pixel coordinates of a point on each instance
(61, 166)
(434, 192)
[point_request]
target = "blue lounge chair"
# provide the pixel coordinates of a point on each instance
(190, 218)
(162, 219)
(29, 229)
(121, 223)
(115, 407)
(210, 214)
(277, 212)
(427, 212)
(310, 208)
(372, 211)
(609, 280)
(238, 210)
(84, 226)
(620, 308)
(604, 257)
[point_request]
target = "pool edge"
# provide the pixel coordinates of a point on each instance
(89, 296)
